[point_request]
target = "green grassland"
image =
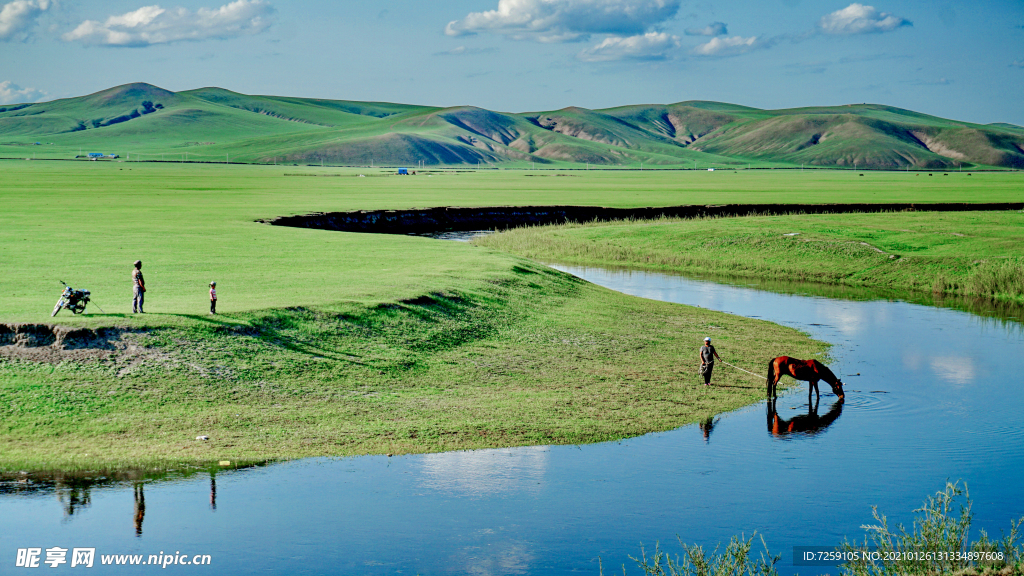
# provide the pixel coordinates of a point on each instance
(331, 343)
(86, 222)
(974, 254)
(217, 125)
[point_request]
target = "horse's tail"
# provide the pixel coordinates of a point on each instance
(771, 372)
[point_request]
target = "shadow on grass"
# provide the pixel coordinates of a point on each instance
(212, 319)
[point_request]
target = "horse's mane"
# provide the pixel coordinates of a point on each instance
(825, 373)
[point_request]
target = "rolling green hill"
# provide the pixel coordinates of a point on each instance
(214, 124)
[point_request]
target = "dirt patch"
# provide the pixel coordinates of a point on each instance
(55, 344)
(938, 147)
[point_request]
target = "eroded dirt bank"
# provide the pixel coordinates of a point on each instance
(54, 343)
(459, 219)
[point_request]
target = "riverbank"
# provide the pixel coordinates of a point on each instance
(964, 254)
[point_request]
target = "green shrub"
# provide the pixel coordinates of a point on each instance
(940, 536)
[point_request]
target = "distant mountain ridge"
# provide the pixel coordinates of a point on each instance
(213, 123)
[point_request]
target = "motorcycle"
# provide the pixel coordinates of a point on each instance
(71, 299)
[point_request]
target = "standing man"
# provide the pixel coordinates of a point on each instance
(707, 360)
(138, 288)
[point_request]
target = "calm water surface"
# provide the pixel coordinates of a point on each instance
(939, 396)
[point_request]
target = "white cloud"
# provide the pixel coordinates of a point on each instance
(713, 29)
(860, 19)
(565, 20)
(650, 46)
(16, 18)
(730, 46)
(11, 93)
(155, 25)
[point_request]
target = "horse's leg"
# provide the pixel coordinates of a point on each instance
(814, 385)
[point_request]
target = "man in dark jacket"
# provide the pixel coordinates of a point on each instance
(707, 360)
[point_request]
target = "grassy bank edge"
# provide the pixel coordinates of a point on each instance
(540, 376)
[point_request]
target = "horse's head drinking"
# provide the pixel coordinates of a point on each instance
(837, 389)
(830, 377)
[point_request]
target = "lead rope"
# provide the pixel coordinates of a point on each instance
(758, 376)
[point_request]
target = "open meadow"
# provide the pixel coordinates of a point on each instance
(334, 343)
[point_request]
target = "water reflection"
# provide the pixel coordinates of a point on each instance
(706, 426)
(956, 370)
(75, 490)
(501, 557)
(953, 369)
(808, 424)
(140, 507)
(73, 497)
(482, 472)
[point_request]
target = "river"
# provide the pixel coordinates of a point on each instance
(932, 394)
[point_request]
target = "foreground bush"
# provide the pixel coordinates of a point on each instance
(937, 543)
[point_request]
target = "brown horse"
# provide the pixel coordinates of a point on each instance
(808, 370)
(807, 424)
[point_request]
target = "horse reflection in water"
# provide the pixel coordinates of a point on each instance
(807, 424)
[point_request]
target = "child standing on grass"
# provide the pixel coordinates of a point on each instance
(213, 297)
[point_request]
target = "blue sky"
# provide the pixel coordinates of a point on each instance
(956, 60)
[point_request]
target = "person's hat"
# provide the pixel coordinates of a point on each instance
(213, 283)
(138, 263)
(708, 339)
